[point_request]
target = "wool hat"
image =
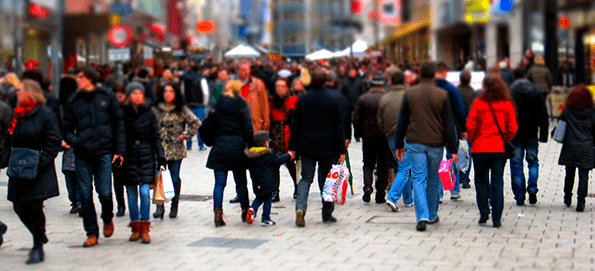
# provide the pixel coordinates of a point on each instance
(377, 81)
(132, 86)
(261, 136)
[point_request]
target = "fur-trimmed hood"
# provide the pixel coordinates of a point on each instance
(257, 152)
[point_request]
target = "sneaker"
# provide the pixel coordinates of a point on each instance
(393, 206)
(421, 226)
(202, 148)
(235, 200)
(75, 209)
(267, 223)
(455, 196)
(440, 201)
(329, 220)
(409, 205)
(108, 229)
(299, 218)
(250, 216)
(91, 241)
(532, 197)
(466, 186)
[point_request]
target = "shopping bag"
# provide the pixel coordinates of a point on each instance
(464, 156)
(559, 132)
(336, 184)
(158, 195)
(168, 185)
(447, 175)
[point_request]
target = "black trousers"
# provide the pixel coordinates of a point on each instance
(118, 187)
(32, 216)
(376, 152)
(583, 182)
(291, 167)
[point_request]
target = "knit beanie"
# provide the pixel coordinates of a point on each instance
(132, 86)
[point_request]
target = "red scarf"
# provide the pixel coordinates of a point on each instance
(24, 108)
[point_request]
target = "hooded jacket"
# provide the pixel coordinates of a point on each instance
(263, 162)
(532, 113)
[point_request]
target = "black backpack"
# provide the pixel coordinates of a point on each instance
(208, 129)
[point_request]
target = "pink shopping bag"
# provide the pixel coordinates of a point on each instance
(447, 175)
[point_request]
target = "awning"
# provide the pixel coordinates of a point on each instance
(404, 30)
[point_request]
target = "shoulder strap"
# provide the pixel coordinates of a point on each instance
(496, 121)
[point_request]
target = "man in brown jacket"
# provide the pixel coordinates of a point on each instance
(541, 76)
(256, 96)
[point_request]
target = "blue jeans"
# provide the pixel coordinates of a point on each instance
(426, 182)
(528, 150)
(494, 163)
(100, 170)
(174, 169)
(266, 208)
(199, 112)
(402, 183)
(239, 177)
(73, 193)
(132, 192)
(325, 163)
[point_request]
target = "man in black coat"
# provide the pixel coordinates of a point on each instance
(352, 87)
(531, 117)
(98, 142)
(317, 136)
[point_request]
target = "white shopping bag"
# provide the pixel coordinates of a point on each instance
(464, 156)
(168, 185)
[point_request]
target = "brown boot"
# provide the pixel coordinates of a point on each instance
(135, 225)
(219, 220)
(244, 213)
(145, 227)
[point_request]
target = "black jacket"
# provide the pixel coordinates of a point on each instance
(577, 149)
(263, 164)
(37, 130)
(234, 132)
(352, 88)
(193, 92)
(99, 124)
(365, 121)
(143, 144)
(531, 111)
(317, 126)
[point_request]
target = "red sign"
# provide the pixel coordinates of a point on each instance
(564, 22)
(38, 11)
(206, 27)
(357, 6)
(120, 35)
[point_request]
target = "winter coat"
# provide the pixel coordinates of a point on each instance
(99, 124)
(577, 149)
(195, 88)
(542, 77)
(317, 125)
(389, 110)
(234, 132)
(281, 123)
(507, 76)
(8, 92)
(352, 88)
(532, 113)
(37, 130)
(143, 144)
(263, 164)
(469, 95)
(482, 130)
(365, 114)
(258, 101)
(426, 118)
(456, 103)
(172, 124)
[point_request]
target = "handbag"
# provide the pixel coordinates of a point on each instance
(23, 163)
(208, 129)
(560, 132)
(508, 147)
(158, 194)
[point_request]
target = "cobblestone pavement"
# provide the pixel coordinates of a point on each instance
(545, 236)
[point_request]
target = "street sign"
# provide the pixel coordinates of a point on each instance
(390, 11)
(120, 35)
(122, 54)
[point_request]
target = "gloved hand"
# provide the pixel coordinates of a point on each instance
(161, 163)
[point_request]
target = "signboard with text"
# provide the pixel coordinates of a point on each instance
(122, 54)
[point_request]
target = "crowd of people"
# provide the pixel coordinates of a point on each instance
(267, 114)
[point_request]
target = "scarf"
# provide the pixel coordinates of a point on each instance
(24, 108)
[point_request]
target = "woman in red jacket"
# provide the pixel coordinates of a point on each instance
(487, 144)
(282, 106)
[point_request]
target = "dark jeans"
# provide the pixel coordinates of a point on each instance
(325, 163)
(73, 194)
(583, 182)
(376, 153)
(98, 170)
(493, 163)
(266, 208)
(292, 171)
(174, 169)
(118, 186)
(239, 177)
(32, 216)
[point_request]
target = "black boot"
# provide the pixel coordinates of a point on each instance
(159, 211)
(235, 200)
(121, 211)
(3, 229)
(580, 204)
(36, 255)
(173, 212)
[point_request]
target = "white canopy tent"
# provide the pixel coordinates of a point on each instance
(321, 54)
(359, 49)
(242, 51)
